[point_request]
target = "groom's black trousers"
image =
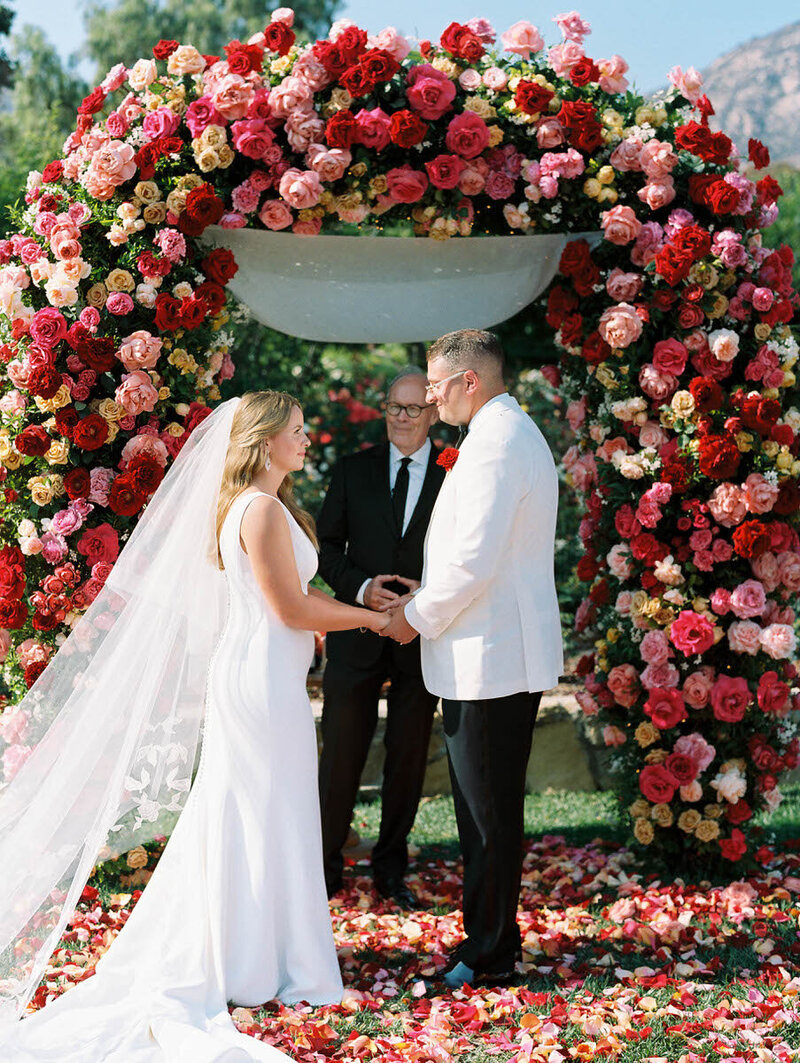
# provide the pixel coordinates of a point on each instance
(488, 746)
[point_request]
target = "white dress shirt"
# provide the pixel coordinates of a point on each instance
(417, 470)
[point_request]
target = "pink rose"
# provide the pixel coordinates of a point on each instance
(759, 494)
(648, 243)
(495, 78)
(310, 227)
(778, 641)
(623, 682)
(467, 135)
(549, 133)
(232, 95)
(136, 394)
(619, 561)
(657, 386)
(389, 40)
(162, 122)
(563, 57)
(612, 75)
(171, 243)
(300, 188)
(744, 636)
(721, 601)
(329, 163)
(576, 413)
(727, 505)
(293, 94)
(697, 687)
(275, 214)
(572, 26)
(613, 736)
(658, 194)
(145, 444)
(202, 113)
(748, 599)
(620, 325)
(688, 83)
(765, 568)
(724, 344)
(620, 225)
(65, 522)
(669, 356)
(696, 748)
(119, 304)
(309, 69)
(627, 155)
(691, 633)
(522, 38)
(405, 184)
(652, 435)
(48, 327)
(789, 570)
(472, 179)
(483, 29)
(429, 92)
(730, 697)
(657, 159)
(113, 164)
(654, 648)
(445, 170)
(372, 128)
(660, 676)
(139, 350)
(252, 137)
(623, 287)
(303, 128)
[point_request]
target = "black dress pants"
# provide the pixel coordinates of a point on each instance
(349, 718)
(488, 746)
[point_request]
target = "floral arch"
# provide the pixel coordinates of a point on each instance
(676, 353)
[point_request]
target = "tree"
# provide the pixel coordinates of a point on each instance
(6, 66)
(43, 103)
(128, 29)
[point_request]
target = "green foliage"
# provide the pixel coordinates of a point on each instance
(43, 102)
(127, 30)
(6, 66)
(786, 229)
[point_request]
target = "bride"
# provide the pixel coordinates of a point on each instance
(207, 618)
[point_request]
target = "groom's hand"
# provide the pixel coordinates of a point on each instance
(399, 628)
(379, 597)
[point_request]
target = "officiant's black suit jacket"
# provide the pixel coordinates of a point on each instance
(359, 539)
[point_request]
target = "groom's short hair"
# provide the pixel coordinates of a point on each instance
(469, 348)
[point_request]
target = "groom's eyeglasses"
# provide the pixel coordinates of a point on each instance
(431, 388)
(396, 408)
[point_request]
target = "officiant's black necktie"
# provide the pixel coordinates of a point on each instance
(462, 432)
(400, 494)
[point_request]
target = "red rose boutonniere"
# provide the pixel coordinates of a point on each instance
(448, 458)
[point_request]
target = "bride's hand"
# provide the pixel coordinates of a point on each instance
(377, 621)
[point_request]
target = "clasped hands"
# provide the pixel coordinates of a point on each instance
(379, 597)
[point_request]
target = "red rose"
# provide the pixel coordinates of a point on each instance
(196, 415)
(584, 72)
(663, 300)
(146, 158)
(574, 257)
(340, 132)
(587, 568)
(123, 498)
(358, 81)
(707, 394)
(721, 197)
(77, 483)
(735, 847)
(379, 64)
(351, 42)
(585, 279)
(695, 239)
(44, 381)
(241, 59)
(152, 265)
(203, 208)
(738, 813)
(684, 768)
(92, 103)
(751, 539)
(718, 457)
(98, 353)
(759, 415)
(673, 263)
(332, 58)
(13, 614)
(461, 42)
(407, 129)
(730, 696)
(692, 137)
(646, 548)
(665, 708)
(595, 349)
(531, 97)
(572, 330)
(768, 191)
(53, 172)
(757, 154)
(579, 118)
(657, 784)
(90, 433)
(167, 317)
(279, 37)
(788, 500)
(448, 458)
(213, 295)
(560, 302)
(33, 441)
(145, 474)
(33, 671)
(164, 49)
(193, 311)
(99, 544)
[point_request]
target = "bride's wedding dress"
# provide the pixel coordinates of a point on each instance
(236, 910)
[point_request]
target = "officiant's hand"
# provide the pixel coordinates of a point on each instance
(399, 628)
(377, 596)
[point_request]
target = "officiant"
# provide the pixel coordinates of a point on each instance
(371, 530)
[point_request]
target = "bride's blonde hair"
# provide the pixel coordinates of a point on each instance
(259, 416)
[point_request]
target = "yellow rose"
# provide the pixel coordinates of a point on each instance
(645, 115)
(226, 156)
(96, 296)
(176, 200)
(718, 308)
(447, 67)
(164, 394)
(41, 491)
(784, 460)
(61, 398)
(706, 830)
(744, 442)
(592, 187)
(214, 394)
(688, 820)
(656, 756)
(712, 811)
(358, 169)
(206, 158)
(281, 64)
(640, 809)
(496, 135)
(185, 60)
(213, 136)
(643, 831)
(120, 280)
(682, 404)
(664, 615)
(479, 106)
(378, 185)
(662, 815)
(762, 331)
(58, 452)
(13, 461)
(110, 411)
(605, 175)
(137, 857)
(155, 213)
(608, 195)
(175, 429)
(189, 181)
(645, 734)
(770, 448)
(605, 376)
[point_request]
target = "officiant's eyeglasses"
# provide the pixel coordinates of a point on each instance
(396, 408)
(431, 388)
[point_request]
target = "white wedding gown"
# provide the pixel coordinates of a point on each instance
(236, 909)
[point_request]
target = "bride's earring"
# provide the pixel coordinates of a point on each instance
(267, 463)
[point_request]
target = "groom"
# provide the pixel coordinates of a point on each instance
(491, 636)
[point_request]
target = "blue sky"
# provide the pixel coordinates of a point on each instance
(651, 36)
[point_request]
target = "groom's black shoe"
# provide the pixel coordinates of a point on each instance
(458, 973)
(394, 889)
(334, 887)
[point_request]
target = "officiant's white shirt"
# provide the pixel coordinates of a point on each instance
(487, 610)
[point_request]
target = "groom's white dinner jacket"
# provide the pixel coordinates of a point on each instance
(487, 609)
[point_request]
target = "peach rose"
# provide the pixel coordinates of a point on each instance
(232, 95)
(657, 159)
(142, 73)
(724, 344)
(300, 188)
(728, 505)
(275, 214)
(623, 682)
(788, 565)
(778, 641)
(765, 567)
(627, 155)
(293, 94)
(620, 225)
(389, 40)
(136, 394)
(329, 163)
(549, 133)
(140, 350)
(113, 164)
(622, 287)
(744, 636)
(303, 128)
(620, 325)
(760, 495)
(657, 194)
(697, 688)
(185, 60)
(522, 38)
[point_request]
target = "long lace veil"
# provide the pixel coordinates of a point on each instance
(113, 723)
